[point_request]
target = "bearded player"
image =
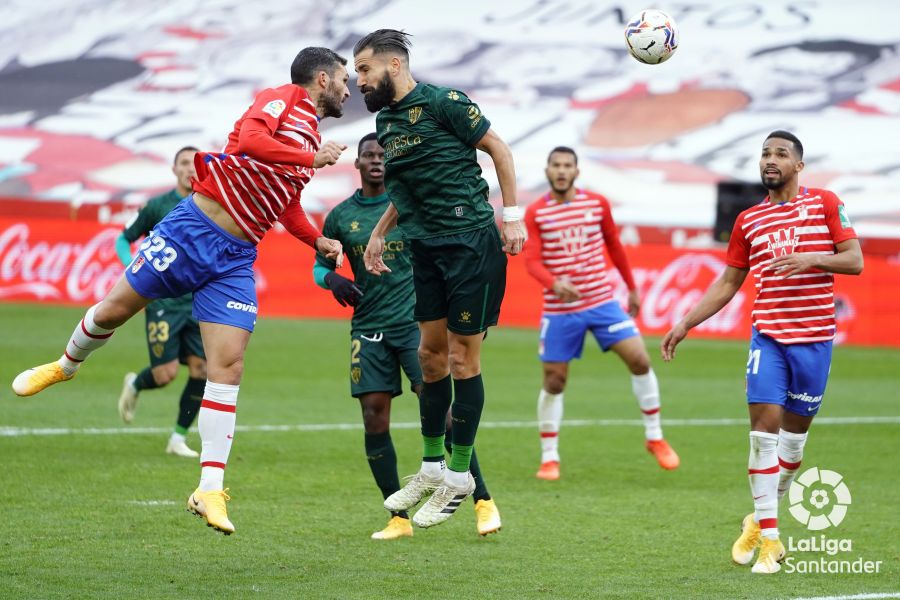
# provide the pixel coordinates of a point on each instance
(207, 245)
(384, 337)
(792, 242)
(568, 231)
(439, 201)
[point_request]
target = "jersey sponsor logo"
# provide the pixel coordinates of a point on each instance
(804, 397)
(414, 114)
(573, 239)
(250, 308)
(845, 220)
(474, 116)
(400, 145)
(274, 108)
(783, 241)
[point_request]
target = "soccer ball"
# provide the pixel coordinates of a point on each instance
(652, 36)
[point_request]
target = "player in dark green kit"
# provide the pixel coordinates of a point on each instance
(384, 334)
(438, 199)
(173, 335)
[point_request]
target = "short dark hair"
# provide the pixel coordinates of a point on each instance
(366, 138)
(310, 61)
(564, 149)
(787, 135)
(184, 149)
(385, 40)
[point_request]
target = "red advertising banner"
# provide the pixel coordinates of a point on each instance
(61, 261)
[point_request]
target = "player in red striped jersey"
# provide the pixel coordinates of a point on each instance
(792, 242)
(207, 245)
(568, 230)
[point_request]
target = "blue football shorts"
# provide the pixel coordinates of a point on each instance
(187, 252)
(790, 375)
(562, 336)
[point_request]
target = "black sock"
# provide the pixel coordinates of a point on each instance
(465, 414)
(145, 381)
(481, 491)
(383, 462)
(189, 405)
(434, 402)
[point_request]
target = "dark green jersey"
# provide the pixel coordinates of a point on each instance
(431, 170)
(152, 213)
(387, 301)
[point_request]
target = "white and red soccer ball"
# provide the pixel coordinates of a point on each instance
(652, 36)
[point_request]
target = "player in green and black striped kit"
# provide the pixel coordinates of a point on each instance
(439, 200)
(384, 337)
(173, 335)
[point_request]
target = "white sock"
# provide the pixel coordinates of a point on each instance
(646, 390)
(763, 471)
(177, 438)
(433, 468)
(549, 413)
(87, 337)
(455, 478)
(215, 424)
(790, 454)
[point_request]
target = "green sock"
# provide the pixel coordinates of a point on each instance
(481, 492)
(181, 430)
(465, 414)
(189, 405)
(145, 381)
(383, 463)
(433, 405)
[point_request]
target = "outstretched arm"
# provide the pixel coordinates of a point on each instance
(716, 297)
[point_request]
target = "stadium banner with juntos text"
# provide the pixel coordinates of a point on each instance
(65, 262)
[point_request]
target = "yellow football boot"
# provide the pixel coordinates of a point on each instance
(32, 381)
(743, 549)
(397, 527)
(211, 506)
(487, 516)
(771, 554)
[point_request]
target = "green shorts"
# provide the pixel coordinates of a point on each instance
(172, 335)
(376, 360)
(460, 277)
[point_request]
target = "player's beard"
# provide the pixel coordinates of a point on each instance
(331, 102)
(561, 190)
(378, 97)
(772, 183)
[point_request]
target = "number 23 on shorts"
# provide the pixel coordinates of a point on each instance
(151, 248)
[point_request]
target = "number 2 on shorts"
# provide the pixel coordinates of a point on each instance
(151, 245)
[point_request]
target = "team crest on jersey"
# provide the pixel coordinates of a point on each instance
(803, 211)
(783, 241)
(414, 113)
(355, 374)
(137, 264)
(274, 108)
(573, 239)
(158, 350)
(354, 226)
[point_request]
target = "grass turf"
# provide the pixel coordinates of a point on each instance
(101, 515)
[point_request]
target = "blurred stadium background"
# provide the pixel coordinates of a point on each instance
(97, 95)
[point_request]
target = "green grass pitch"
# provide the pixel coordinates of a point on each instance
(99, 512)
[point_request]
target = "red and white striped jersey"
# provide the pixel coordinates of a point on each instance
(800, 308)
(257, 193)
(567, 239)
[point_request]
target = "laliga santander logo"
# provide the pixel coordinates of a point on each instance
(819, 499)
(60, 270)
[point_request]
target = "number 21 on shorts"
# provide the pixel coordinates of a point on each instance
(753, 361)
(151, 248)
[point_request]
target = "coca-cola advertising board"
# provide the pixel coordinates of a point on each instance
(61, 261)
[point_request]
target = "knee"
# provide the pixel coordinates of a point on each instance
(229, 371)
(375, 418)
(463, 364)
(164, 374)
(433, 362)
(639, 364)
(554, 383)
(109, 315)
(197, 369)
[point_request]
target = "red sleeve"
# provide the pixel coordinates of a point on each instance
(614, 246)
(836, 218)
(295, 221)
(534, 262)
(738, 255)
(255, 139)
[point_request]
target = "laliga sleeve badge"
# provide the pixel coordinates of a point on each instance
(274, 108)
(137, 264)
